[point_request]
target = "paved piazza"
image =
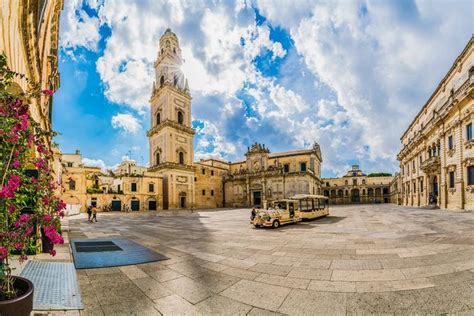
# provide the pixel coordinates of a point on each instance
(367, 259)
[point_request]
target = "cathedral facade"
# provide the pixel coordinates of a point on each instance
(262, 176)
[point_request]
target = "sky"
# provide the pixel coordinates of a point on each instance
(349, 75)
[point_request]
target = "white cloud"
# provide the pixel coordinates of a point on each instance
(99, 163)
(356, 68)
(127, 122)
(78, 29)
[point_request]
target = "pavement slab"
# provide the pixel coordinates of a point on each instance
(361, 259)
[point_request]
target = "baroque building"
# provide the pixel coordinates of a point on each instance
(357, 187)
(437, 155)
(265, 176)
(175, 179)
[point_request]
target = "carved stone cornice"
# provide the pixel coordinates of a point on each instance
(468, 161)
(168, 123)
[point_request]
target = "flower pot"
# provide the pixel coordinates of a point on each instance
(21, 305)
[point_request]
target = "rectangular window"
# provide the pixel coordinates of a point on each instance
(470, 175)
(414, 166)
(203, 171)
(451, 179)
(303, 167)
(72, 185)
(195, 179)
(354, 182)
(212, 172)
(133, 187)
(212, 192)
(421, 159)
(69, 164)
(203, 192)
(469, 131)
(414, 187)
(286, 168)
(151, 187)
(421, 185)
(450, 142)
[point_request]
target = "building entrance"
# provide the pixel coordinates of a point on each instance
(257, 198)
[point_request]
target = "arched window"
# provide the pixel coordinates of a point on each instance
(180, 117)
(346, 182)
(181, 157)
(162, 81)
(371, 192)
(363, 181)
(158, 118)
(157, 158)
(363, 191)
(339, 193)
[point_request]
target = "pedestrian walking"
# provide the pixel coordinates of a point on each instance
(94, 214)
(89, 213)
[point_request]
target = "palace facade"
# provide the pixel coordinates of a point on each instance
(175, 179)
(356, 187)
(437, 156)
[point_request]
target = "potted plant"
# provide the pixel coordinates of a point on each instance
(28, 203)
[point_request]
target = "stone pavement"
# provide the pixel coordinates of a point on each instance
(367, 259)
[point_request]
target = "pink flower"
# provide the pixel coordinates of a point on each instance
(18, 246)
(16, 164)
(61, 205)
(24, 121)
(45, 200)
(52, 252)
(40, 163)
(29, 231)
(34, 180)
(3, 252)
(61, 214)
(11, 208)
(24, 218)
(48, 92)
(30, 139)
(18, 224)
(47, 218)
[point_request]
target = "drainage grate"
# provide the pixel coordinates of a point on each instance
(55, 283)
(96, 246)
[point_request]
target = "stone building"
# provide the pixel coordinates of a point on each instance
(180, 182)
(265, 176)
(29, 39)
(437, 155)
(357, 187)
(29, 32)
(121, 189)
(211, 182)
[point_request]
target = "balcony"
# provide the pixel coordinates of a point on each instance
(431, 165)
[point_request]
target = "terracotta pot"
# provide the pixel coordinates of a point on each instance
(22, 305)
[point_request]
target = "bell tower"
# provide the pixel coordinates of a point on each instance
(171, 134)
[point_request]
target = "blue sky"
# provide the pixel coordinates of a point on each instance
(349, 75)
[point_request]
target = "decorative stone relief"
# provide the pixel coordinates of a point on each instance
(182, 179)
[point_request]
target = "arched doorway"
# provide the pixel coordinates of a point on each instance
(355, 196)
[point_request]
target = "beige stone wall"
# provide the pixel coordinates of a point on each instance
(209, 188)
(426, 158)
(355, 187)
(108, 188)
(32, 50)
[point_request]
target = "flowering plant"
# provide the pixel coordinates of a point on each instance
(28, 199)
